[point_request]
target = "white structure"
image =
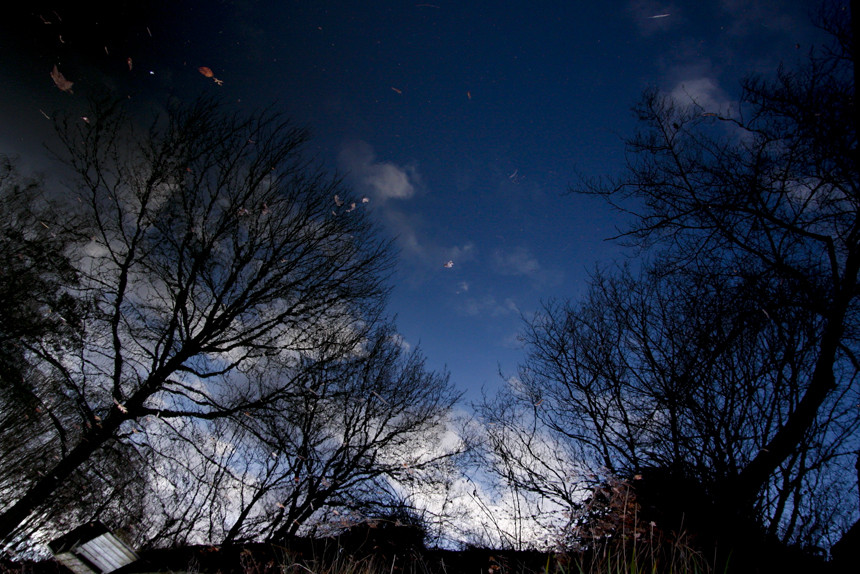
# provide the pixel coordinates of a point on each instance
(92, 549)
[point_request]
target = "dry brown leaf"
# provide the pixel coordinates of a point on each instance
(60, 81)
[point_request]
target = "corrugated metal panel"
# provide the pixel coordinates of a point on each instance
(92, 549)
(73, 563)
(106, 552)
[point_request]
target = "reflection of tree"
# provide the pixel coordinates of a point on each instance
(202, 249)
(355, 423)
(327, 451)
(661, 371)
(732, 359)
(39, 312)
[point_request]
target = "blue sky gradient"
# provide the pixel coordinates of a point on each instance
(463, 122)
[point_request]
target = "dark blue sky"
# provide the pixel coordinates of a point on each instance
(464, 122)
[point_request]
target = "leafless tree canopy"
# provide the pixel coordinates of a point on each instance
(214, 333)
(730, 357)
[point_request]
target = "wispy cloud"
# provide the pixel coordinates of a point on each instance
(518, 261)
(691, 77)
(752, 16)
(488, 306)
(394, 191)
(401, 342)
(380, 179)
(704, 92)
(418, 247)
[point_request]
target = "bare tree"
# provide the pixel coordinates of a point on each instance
(776, 192)
(735, 362)
(354, 430)
(37, 309)
(678, 373)
(206, 245)
(366, 422)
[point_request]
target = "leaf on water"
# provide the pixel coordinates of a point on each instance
(338, 201)
(60, 81)
(210, 74)
(448, 264)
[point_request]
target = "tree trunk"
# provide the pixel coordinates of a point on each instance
(39, 493)
(755, 475)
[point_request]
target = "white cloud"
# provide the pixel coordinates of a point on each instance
(474, 508)
(382, 180)
(390, 185)
(401, 342)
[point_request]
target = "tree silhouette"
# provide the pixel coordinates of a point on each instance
(201, 248)
(771, 193)
(732, 358)
(322, 456)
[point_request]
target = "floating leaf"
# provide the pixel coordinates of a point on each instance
(60, 80)
(210, 74)
(448, 264)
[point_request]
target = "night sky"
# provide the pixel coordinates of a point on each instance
(464, 122)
